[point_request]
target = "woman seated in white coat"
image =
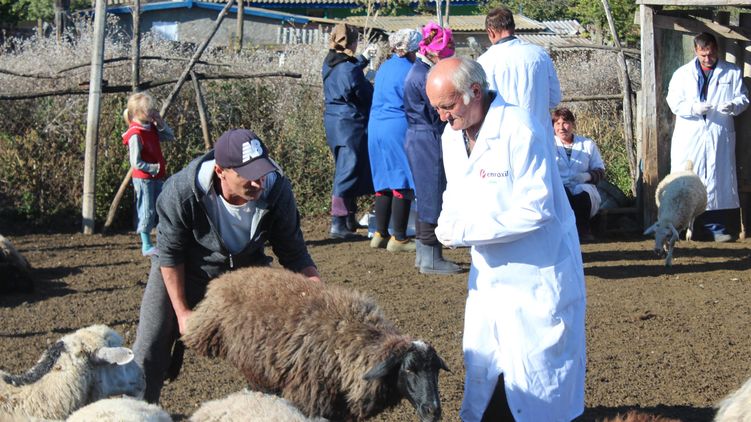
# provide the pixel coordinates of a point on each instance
(581, 167)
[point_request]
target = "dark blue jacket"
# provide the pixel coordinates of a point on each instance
(347, 98)
(422, 144)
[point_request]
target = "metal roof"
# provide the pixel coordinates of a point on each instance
(284, 3)
(251, 11)
(564, 27)
(553, 40)
(462, 23)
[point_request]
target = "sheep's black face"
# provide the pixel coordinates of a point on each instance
(418, 380)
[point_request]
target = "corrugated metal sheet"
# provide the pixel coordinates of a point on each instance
(552, 40)
(463, 23)
(564, 27)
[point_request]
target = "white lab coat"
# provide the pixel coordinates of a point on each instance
(525, 307)
(585, 156)
(708, 142)
(524, 75)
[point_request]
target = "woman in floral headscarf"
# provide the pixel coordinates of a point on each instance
(423, 146)
(387, 126)
(347, 96)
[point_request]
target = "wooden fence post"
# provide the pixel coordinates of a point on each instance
(628, 128)
(92, 119)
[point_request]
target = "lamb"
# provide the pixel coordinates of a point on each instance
(736, 407)
(327, 350)
(121, 409)
(636, 416)
(80, 368)
(15, 271)
(250, 406)
(681, 197)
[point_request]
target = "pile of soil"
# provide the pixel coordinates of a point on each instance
(669, 341)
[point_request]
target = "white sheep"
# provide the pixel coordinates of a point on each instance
(82, 367)
(681, 196)
(736, 407)
(15, 271)
(250, 406)
(120, 409)
(328, 350)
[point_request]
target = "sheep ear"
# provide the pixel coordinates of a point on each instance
(118, 355)
(383, 368)
(442, 364)
(650, 229)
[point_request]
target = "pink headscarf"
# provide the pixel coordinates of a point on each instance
(436, 40)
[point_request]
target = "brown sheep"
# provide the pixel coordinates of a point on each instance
(327, 350)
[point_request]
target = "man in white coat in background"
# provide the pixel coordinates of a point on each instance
(524, 339)
(522, 73)
(705, 94)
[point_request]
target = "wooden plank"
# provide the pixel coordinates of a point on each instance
(696, 25)
(650, 177)
(88, 205)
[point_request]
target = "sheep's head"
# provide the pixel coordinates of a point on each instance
(416, 370)
(665, 237)
(111, 367)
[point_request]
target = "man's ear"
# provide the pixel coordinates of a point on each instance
(476, 90)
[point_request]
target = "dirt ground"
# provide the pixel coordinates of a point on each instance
(668, 341)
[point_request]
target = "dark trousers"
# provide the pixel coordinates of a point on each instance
(498, 409)
(157, 330)
(582, 205)
(425, 233)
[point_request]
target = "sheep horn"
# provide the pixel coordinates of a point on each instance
(118, 355)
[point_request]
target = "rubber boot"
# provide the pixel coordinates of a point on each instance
(339, 229)
(352, 223)
(147, 249)
(432, 262)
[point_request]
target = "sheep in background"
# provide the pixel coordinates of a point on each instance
(635, 416)
(80, 368)
(736, 407)
(121, 409)
(15, 271)
(327, 350)
(250, 406)
(681, 197)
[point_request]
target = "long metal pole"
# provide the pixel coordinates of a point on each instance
(92, 119)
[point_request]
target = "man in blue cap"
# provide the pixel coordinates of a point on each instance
(215, 215)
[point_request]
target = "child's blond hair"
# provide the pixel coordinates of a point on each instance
(140, 106)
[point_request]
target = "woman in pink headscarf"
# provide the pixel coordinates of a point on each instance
(422, 144)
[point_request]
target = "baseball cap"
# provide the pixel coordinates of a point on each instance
(243, 152)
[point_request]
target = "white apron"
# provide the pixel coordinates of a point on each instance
(585, 156)
(708, 142)
(526, 301)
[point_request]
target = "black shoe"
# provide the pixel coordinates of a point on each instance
(339, 229)
(352, 223)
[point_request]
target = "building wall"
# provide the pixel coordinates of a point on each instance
(194, 25)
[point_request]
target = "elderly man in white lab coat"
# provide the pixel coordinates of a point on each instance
(522, 73)
(705, 94)
(524, 340)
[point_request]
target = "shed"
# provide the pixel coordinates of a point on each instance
(666, 43)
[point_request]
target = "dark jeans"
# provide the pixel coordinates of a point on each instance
(498, 409)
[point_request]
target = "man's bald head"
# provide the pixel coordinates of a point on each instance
(454, 85)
